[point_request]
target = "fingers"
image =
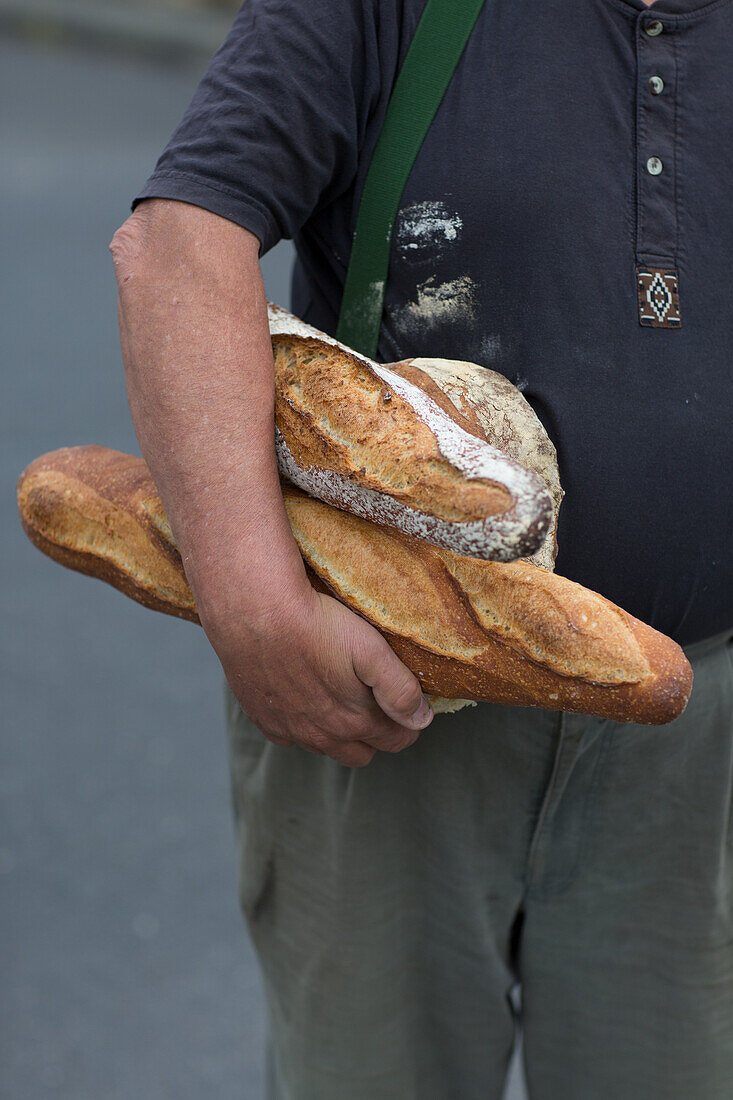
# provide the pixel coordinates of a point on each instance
(354, 754)
(284, 742)
(335, 688)
(391, 737)
(381, 734)
(396, 690)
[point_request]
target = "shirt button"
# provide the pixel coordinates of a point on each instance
(656, 85)
(654, 28)
(654, 166)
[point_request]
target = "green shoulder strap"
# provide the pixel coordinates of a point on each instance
(434, 53)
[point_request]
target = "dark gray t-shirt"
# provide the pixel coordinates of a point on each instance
(568, 222)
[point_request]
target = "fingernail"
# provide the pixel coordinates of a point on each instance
(422, 715)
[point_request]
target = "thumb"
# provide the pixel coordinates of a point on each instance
(396, 689)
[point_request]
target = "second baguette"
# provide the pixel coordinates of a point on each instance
(509, 633)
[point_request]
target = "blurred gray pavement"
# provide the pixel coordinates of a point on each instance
(125, 970)
(166, 30)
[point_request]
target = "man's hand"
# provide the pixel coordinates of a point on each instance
(200, 381)
(320, 677)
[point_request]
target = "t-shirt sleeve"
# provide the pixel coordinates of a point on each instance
(274, 128)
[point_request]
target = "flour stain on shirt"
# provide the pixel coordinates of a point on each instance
(492, 349)
(424, 229)
(437, 305)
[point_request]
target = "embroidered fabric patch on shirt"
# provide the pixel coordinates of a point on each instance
(659, 296)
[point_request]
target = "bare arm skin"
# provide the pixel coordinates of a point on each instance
(199, 369)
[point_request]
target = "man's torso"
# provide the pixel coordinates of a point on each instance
(522, 225)
(581, 146)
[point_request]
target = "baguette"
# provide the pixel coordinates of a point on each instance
(511, 633)
(494, 410)
(97, 511)
(366, 439)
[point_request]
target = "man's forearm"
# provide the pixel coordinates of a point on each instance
(198, 363)
(200, 379)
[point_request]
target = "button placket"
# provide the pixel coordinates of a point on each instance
(656, 214)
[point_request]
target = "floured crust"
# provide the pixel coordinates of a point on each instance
(338, 415)
(366, 439)
(493, 409)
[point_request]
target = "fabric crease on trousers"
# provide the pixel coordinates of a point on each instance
(514, 866)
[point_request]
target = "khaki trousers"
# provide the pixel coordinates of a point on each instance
(571, 874)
